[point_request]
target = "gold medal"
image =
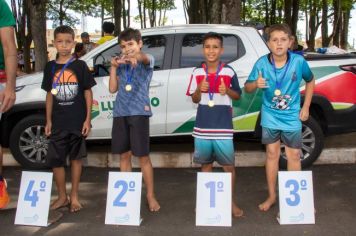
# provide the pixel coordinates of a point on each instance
(211, 103)
(277, 92)
(54, 91)
(128, 87)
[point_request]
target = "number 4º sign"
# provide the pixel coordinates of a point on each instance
(296, 198)
(34, 198)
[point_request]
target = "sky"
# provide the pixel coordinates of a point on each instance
(176, 17)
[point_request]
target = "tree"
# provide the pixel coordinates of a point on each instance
(38, 21)
(62, 11)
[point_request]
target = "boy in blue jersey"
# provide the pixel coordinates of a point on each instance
(130, 77)
(279, 75)
(213, 85)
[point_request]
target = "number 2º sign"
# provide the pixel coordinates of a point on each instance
(34, 198)
(123, 202)
(296, 198)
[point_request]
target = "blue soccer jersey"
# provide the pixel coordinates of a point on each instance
(280, 109)
(136, 101)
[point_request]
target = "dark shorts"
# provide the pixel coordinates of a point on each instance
(292, 139)
(131, 133)
(63, 143)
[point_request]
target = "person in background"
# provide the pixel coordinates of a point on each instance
(108, 29)
(86, 42)
(8, 67)
(79, 50)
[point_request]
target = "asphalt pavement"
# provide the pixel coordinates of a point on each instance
(334, 193)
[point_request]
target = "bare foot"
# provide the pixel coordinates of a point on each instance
(75, 205)
(236, 211)
(59, 203)
(153, 205)
(266, 205)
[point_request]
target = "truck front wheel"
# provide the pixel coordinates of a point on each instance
(28, 143)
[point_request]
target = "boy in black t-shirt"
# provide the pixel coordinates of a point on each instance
(68, 83)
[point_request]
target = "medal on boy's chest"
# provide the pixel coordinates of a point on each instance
(277, 92)
(210, 91)
(211, 103)
(128, 86)
(54, 91)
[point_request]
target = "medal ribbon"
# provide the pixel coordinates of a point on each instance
(128, 76)
(279, 82)
(54, 85)
(211, 92)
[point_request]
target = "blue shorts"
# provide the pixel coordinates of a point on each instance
(292, 139)
(209, 150)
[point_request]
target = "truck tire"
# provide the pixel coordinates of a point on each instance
(28, 143)
(312, 144)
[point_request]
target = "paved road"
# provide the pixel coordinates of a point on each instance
(335, 203)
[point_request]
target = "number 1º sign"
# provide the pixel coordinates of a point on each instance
(213, 199)
(296, 198)
(123, 202)
(34, 198)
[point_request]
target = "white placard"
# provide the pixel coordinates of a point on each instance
(123, 202)
(296, 197)
(34, 198)
(213, 199)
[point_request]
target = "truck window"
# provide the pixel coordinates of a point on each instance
(191, 54)
(154, 45)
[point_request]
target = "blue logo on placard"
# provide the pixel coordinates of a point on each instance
(297, 218)
(213, 220)
(31, 219)
(122, 219)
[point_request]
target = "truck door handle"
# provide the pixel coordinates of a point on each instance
(155, 84)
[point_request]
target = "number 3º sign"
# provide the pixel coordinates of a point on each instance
(296, 198)
(123, 202)
(34, 198)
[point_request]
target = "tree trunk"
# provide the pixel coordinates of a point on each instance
(185, 8)
(267, 16)
(337, 22)
(312, 25)
(117, 16)
(215, 12)
(345, 28)
(324, 24)
(294, 22)
(231, 11)
(128, 13)
(124, 14)
(139, 6)
(144, 14)
(38, 28)
(273, 12)
(287, 12)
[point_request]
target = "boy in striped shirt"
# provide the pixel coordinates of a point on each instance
(213, 85)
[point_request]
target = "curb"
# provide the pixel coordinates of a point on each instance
(185, 159)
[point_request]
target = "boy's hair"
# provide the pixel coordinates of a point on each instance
(108, 27)
(64, 29)
(130, 34)
(213, 35)
(278, 27)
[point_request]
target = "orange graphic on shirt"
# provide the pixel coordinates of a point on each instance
(67, 85)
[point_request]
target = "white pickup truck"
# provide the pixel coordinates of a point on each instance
(177, 50)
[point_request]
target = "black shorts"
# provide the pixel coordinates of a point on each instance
(131, 133)
(63, 143)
